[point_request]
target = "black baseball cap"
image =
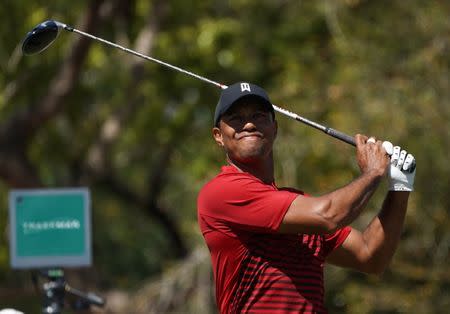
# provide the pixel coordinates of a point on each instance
(237, 91)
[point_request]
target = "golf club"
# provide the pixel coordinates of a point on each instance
(45, 33)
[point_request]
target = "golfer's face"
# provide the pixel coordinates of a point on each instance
(246, 131)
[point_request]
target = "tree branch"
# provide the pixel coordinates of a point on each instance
(150, 208)
(15, 134)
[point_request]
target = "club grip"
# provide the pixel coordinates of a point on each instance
(341, 136)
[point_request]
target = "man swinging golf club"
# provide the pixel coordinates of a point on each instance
(268, 244)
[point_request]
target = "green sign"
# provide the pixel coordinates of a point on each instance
(50, 227)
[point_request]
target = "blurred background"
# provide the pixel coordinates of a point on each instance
(139, 135)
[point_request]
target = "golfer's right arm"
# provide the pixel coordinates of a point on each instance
(327, 213)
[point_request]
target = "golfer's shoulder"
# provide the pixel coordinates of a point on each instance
(293, 190)
(229, 175)
(231, 183)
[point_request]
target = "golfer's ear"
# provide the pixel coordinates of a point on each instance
(217, 134)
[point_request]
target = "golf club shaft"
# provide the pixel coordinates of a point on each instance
(107, 42)
(331, 132)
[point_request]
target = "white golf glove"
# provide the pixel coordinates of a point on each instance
(402, 169)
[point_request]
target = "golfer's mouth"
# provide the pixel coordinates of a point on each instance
(250, 136)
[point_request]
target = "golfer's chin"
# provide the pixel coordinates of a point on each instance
(251, 154)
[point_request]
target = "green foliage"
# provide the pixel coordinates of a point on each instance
(139, 134)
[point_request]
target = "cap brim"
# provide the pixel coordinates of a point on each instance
(261, 100)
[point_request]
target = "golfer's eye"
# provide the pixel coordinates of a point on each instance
(259, 115)
(233, 117)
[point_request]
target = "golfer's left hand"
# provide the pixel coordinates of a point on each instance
(402, 170)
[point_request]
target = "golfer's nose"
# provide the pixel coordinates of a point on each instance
(248, 125)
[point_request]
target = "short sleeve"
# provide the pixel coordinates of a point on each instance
(334, 240)
(244, 202)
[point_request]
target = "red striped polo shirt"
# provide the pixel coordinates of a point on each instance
(256, 269)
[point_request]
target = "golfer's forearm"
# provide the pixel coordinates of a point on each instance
(325, 214)
(346, 203)
(383, 233)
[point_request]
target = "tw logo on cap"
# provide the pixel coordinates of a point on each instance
(245, 87)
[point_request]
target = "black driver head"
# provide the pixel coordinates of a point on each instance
(40, 37)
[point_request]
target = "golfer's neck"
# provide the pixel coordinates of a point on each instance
(262, 169)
